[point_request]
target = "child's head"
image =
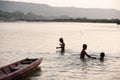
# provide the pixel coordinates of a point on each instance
(84, 46)
(61, 40)
(102, 55)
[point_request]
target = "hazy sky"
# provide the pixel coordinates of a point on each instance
(114, 4)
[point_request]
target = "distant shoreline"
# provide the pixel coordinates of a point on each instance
(30, 17)
(116, 21)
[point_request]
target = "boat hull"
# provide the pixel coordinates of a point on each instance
(16, 70)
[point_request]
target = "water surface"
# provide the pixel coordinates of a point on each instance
(39, 39)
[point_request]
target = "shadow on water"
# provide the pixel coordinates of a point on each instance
(66, 51)
(59, 52)
(34, 73)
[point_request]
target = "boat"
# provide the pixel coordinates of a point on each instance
(15, 70)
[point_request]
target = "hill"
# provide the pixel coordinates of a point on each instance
(59, 12)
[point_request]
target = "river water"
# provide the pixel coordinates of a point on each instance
(19, 40)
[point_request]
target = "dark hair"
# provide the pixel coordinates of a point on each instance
(84, 46)
(102, 54)
(61, 39)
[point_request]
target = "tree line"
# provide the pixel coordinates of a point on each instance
(30, 17)
(9, 16)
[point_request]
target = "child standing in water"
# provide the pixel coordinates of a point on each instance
(62, 45)
(83, 53)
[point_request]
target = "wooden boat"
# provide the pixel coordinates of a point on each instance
(15, 70)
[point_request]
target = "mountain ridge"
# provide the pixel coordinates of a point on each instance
(49, 11)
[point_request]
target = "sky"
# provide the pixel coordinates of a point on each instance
(111, 4)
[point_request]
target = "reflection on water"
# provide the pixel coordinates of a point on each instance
(21, 40)
(35, 73)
